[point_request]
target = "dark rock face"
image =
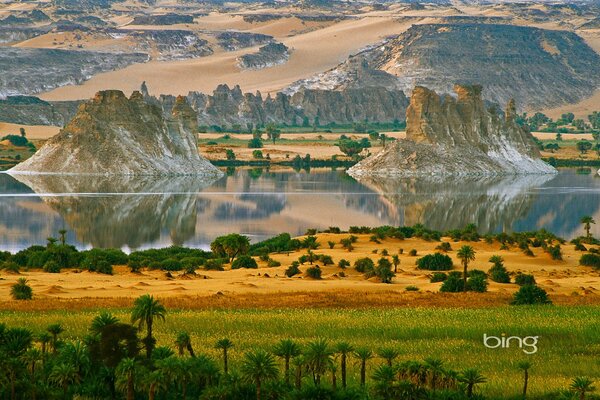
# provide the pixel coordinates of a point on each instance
(22, 75)
(114, 135)
(448, 136)
(233, 40)
(27, 110)
(164, 19)
(537, 67)
(267, 56)
(228, 106)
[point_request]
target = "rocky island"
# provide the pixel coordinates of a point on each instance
(457, 136)
(115, 135)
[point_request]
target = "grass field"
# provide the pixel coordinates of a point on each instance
(569, 337)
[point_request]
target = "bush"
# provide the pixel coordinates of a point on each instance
(499, 274)
(454, 283)
(104, 267)
(21, 290)
(343, 263)
(383, 271)
(215, 264)
(438, 277)
(331, 244)
(326, 259)
(255, 143)
(10, 266)
(134, 266)
(244, 262)
(16, 140)
(435, 262)
(292, 269)
(555, 252)
(477, 283)
(52, 267)
(273, 263)
(192, 262)
(413, 253)
(444, 246)
(411, 288)
(364, 265)
(524, 279)
(314, 272)
(257, 154)
(590, 260)
(530, 294)
(171, 264)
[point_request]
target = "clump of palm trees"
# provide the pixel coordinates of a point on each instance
(112, 361)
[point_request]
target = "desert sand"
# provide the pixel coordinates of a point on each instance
(561, 279)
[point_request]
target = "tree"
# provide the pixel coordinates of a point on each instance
(272, 132)
(471, 377)
(343, 348)
(145, 309)
(317, 357)
(587, 221)
(22, 132)
(466, 254)
(436, 368)
(155, 381)
(351, 148)
(287, 349)
(55, 330)
(21, 290)
(363, 354)
(63, 236)
(100, 321)
(31, 357)
(384, 270)
(224, 345)
(229, 155)
(581, 386)
(184, 342)
(583, 146)
(258, 366)
(389, 355)
(525, 366)
(396, 262)
(530, 294)
(126, 372)
(63, 375)
(230, 246)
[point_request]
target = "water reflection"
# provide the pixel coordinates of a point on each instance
(142, 212)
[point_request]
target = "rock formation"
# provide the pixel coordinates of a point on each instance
(114, 135)
(267, 56)
(448, 136)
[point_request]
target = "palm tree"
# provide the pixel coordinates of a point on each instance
(102, 320)
(581, 386)
(333, 370)
(318, 356)
(155, 381)
(63, 375)
(466, 254)
(287, 349)
(44, 338)
(471, 377)
(343, 348)
(224, 344)
(389, 355)
(145, 309)
(396, 262)
(51, 241)
(184, 342)
(384, 377)
(76, 353)
(436, 368)
(63, 236)
(587, 221)
(55, 330)
(363, 354)
(258, 366)
(126, 376)
(299, 364)
(525, 366)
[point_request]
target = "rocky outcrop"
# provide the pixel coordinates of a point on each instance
(267, 56)
(27, 110)
(234, 40)
(162, 19)
(22, 74)
(457, 136)
(114, 135)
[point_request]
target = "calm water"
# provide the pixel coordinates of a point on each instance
(148, 212)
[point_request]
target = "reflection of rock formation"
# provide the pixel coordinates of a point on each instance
(492, 203)
(129, 211)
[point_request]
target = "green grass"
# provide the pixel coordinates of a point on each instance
(569, 343)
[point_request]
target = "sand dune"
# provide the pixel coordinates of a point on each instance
(32, 131)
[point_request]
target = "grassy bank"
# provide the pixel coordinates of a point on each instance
(568, 343)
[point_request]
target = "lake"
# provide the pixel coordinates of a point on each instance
(142, 212)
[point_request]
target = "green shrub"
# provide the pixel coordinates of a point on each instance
(255, 143)
(412, 253)
(343, 263)
(192, 262)
(383, 271)
(444, 246)
(52, 267)
(438, 277)
(411, 288)
(21, 290)
(590, 260)
(273, 263)
(530, 294)
(244, 262)
(171, 264)
(215, 264)
(435, 262)
(326, 259)
(134, 266)
(364, 265)
(314, 272)
(331, 244)
(10, 266)
(292, 269)
(499, 274)
(555, 252)
(477, 283)
(104, 267)
(524, 279)
(454, 283)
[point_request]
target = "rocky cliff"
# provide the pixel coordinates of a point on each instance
(114, 135)
(457, 136)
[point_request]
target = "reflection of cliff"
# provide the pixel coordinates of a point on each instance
(492, 203)
(129, 211)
